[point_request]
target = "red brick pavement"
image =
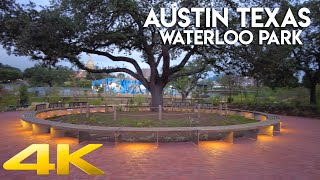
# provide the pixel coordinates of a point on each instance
(295, 154)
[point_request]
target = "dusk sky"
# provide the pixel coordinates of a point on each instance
(12, 60)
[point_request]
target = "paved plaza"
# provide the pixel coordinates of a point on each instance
(294, 154)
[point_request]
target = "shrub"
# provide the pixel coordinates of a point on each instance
(24, 96)
(95, 101)
(138, 100)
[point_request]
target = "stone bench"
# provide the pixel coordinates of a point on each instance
(181, 104)
(35, 121)
(40, 107)
(56, 105)
(78, 104)
(204, 106)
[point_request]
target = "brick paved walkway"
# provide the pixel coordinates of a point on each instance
(295, 154)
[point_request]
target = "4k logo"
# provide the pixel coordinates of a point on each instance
(64, 158)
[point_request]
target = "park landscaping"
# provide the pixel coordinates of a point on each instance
(147, 91)
(282, 101)
(171, 124)
(149, 119)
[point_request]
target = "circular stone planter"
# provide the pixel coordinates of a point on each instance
(36, 121)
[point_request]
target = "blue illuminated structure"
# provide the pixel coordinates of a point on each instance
(124, 86)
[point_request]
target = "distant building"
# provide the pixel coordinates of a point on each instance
(146, 72)
(90, 63)
(82, 73)
(124, 86)
(118, 86)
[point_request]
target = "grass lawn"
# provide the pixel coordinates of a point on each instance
(150, 119)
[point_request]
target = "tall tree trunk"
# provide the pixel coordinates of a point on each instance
(49, 82)
(313, 91)
(183, 97)
(156, 96)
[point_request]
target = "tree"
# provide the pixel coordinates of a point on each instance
(307, 56)
(68, 28)
(231, 82)
(23, 95)
(95, 76)
(8, 73)
(1, 90)
(121, 76)
(265, 63)
(39, 75)
(184, 85)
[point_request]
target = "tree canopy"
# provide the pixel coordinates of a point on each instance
(184, 85)
(67, 28)
(9, 73)
(39, 75)
(307, 56)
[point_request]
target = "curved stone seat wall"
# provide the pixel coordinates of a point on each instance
(35, 121)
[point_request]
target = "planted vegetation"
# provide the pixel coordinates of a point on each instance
(149, 119)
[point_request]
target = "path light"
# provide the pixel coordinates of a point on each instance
(140, 147)
(217, 146)
(135, 151)
(65, 140)
(265, 138)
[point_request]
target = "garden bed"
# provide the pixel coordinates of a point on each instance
(150, 119)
